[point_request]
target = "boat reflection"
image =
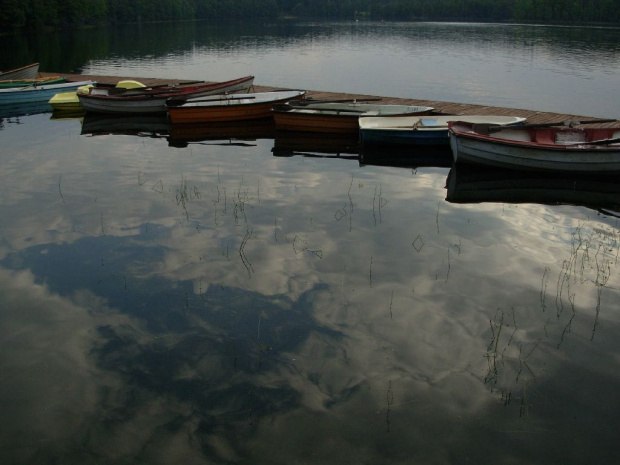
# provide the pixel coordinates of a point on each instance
(431, 156)
(23, 109)
(228, 133)
(64, 115)
(134, 125)
(319, 145)
(476, 184)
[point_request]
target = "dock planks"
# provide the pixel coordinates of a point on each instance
(447, 108)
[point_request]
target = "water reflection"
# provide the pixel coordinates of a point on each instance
(138, 125)
(291, 143)
(222, 304)
(15, 111)
(237, 132)
(411, 157)
(468, 184)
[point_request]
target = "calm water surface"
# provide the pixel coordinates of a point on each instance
(242, 296)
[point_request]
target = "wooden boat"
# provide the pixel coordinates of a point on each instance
(8, 83)
(236, 107)
(25, 72)
(332, 117)
(20, 95)
(477, 184)
(153, 99)
(531, 147)
(419, 130)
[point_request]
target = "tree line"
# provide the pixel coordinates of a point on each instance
(57, 14)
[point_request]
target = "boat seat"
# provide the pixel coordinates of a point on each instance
(513, 134)
(116, 90)
(429, 123)
(570, 136)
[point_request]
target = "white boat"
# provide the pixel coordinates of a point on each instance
(419, 130)
(336, 117)
(40, 93)
(25, 72)
(530, 147)
(153, 99)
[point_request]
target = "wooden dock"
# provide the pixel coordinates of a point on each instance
(447, 108)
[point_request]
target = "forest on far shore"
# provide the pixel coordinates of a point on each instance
(56, 14)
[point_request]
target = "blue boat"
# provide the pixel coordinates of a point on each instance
(419, 130)
(37, 93)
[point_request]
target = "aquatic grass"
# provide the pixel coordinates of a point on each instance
(244, 259)
(102, 225)
(378, 202)
(418, 243)
(449, 266)
(389, 401)
(543, 288)
(62, 197)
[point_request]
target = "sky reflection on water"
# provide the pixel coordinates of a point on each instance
(217, 304)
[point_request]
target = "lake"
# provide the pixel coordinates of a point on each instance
(244, 296)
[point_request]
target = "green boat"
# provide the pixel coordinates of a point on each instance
(10, 83)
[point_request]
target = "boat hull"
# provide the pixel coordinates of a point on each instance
(385, 137)
(288, 121)
(227, 108)
(524, 155)
(142, 102)
(25, 72)
(43, 93)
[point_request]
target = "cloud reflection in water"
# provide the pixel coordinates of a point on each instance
(218, 303)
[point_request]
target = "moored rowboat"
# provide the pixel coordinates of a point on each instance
(25, 72)
(8, 83)
(419, 130)
(561, 149)
(236, 107)
(336, 117)
(153, 99)
(42, 93)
